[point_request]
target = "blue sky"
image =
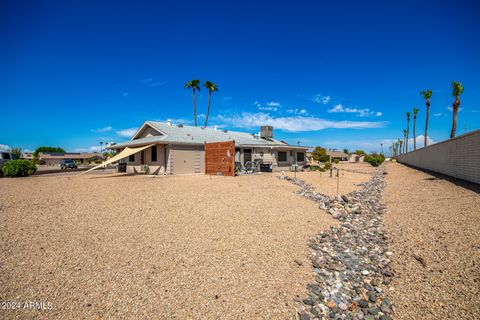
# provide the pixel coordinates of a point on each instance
(336, 74)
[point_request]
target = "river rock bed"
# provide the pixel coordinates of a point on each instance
(350, 261)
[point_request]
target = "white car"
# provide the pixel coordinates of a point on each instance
(6, 156)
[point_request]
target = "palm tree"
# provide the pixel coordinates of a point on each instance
(405, 139)
(415, 111)
(426, 95)
(457, 90)
(194, 85)
(401, 143)
(408, 131)
(211, 87)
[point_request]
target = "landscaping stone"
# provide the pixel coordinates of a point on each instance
(350, 261)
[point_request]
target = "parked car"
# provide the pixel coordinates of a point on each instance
(6, 156)
(68, 164)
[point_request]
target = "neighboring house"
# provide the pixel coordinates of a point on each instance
(52, 158)
(340, 156)
(179, 149)
(27, 155)
(356, 157)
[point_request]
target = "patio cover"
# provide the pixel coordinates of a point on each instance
(125, 153)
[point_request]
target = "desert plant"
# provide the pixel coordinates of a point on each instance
(415, 112)
(194, 85)
(327, 165)
(426, 95)
(19, 168)
(320, 154)
(407, 131)
(457, 90)
(211, 87)
(336, 161)
(375, 159)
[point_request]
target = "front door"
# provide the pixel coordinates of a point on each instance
(142, 157)
(247, 155)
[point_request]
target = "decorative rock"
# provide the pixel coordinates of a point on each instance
(349, 260)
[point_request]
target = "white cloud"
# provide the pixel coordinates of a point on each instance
(88, 149)
(257, 104)
(273, 104)
(359, 112)
(4, 147)
(150, 82)
(268, 108)
(450, 108)
(104, 129)
(298, 111)
(318, 98)
(437, 114)
(125, 94)
(127, 133)
(420, 140)
(294, 123)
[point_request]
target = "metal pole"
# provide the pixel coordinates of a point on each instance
(338, 180)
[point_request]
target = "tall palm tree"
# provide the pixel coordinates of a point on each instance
(194, 85)
(457, 90)
(211, 87)
(408, 131)
(415, 112)
(401, 143)
(405, 140)
(426, 95)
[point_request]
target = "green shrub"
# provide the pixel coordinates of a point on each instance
(19, 168)
(375, 159)
(336, 161)
(327, 165)
(314, 168)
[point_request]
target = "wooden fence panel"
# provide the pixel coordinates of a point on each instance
(220, 158)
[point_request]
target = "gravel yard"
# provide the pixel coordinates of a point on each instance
(99, 246)
(434, 222)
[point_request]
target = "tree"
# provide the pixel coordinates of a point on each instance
(426, 95)
(457, 90)
(408, 131)
(211, 87)
(346, 151)
(405, 139)
(194, 85)
(47, 149)
(17, 152)
(320, 154)
(415, 112)
(401, 143)
(360, 152)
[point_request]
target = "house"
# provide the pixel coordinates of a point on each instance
(356, 157)
(52, 158)
(179, 149)
(337, 155)
(27, 156)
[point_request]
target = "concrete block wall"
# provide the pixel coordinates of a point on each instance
(458, 157)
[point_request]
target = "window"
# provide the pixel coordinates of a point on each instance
(300, 156)
(131, 158)
(282, 156)
(5, 156)
(154, 154)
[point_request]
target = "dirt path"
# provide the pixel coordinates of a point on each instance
(437, 222)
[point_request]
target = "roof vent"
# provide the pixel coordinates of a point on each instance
(266, 132)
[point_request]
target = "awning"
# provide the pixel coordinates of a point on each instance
(125, 153)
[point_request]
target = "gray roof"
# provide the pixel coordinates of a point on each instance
(175, 134)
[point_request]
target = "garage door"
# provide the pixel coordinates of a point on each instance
(184, 160)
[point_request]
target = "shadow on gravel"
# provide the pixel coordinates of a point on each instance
(114, 176)
(475, 187)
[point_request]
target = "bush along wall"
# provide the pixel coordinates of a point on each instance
(375, 159)
(19, 168)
